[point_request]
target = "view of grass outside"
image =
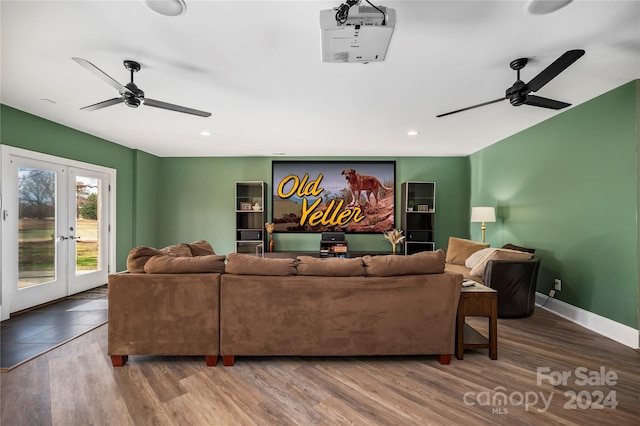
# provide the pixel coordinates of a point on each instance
(37, 244)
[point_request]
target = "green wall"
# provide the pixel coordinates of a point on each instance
(146, 195)
(197, 200)
(569, 188)
(27, 131)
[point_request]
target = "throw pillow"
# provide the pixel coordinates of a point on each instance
(330, 267)
(163, 264)
(200, 248)
(138, 257)
(244, 264)
(519, 248)
(499, 254)
(459, 250)
(426, 262)
(477, 257)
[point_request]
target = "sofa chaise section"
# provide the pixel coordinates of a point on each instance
(163, 314)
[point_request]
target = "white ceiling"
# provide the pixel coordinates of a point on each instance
(256, 67)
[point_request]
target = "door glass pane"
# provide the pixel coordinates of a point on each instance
(87, 224)
(36, 226)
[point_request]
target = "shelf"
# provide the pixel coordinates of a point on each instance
(249, 222)
(418, 225)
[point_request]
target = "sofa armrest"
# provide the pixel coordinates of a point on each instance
(515, 282)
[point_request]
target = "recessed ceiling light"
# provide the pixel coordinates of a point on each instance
(412, 132)
(205, 133)
(167, 7)
(543, 7)
(280, 153)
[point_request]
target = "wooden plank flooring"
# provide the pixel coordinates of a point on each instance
(76, 385)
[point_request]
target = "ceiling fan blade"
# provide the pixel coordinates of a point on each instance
(102, 75)
(559, 65)
(172, 107)
(545, 102)
(471, 107)
(102, 104)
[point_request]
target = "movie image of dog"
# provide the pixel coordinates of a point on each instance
(358, 184)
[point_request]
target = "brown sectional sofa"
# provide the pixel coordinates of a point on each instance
(374, 305)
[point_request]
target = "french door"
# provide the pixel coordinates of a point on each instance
(55, 228)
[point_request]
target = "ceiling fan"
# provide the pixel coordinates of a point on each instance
(519, 93)
(130, 94)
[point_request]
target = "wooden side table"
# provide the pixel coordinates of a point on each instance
(477, 301)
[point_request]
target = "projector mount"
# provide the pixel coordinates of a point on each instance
(342, 12)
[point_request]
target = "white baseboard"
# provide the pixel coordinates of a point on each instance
(621, 333)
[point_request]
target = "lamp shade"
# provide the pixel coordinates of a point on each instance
(483, 214)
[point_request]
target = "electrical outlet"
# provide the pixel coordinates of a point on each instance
(557, 284)
(552, 293)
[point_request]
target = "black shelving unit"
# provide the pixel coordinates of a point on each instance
(418, 204)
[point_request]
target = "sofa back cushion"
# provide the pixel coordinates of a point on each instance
(164, 264)
(139, 256)
(244, 264)
(426, 262)
(459, 249)
(330, 267)
(201, 248)
(519, 248)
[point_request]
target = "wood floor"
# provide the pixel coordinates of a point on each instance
(76, 385)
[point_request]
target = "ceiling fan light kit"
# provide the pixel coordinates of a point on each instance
(167, 7)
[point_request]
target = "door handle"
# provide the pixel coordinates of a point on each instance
(62, 238)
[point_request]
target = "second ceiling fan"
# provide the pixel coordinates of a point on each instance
(519, 93)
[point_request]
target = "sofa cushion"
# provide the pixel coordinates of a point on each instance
(498, 254)
(519, 248)
(459, 249)
(244, 264)
(177, 250)
(138, 257)
(201, 248)
(462, 270)
(330, 267)
(426, 262)
(164, 264)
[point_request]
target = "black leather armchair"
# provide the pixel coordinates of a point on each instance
(515, 282)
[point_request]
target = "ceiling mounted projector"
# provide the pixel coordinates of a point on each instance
(354, 33)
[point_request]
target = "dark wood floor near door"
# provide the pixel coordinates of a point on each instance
(75, 384)
(36, 331)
